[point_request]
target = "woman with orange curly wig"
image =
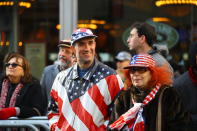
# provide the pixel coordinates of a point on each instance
(136, 108)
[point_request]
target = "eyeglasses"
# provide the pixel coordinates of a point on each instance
(140, 70)
(14, 65)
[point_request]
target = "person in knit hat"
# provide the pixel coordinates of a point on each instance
(136, 109)
(186, 84)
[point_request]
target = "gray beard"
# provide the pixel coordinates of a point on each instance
(62, 65)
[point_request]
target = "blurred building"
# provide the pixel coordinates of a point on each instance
(32, 27)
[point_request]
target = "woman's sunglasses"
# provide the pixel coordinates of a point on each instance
(138, 69)
(14, 65)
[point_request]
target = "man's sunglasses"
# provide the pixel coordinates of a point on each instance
(14, 65)
(138, 69)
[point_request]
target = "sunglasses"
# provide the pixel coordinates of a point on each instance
(14, 65)
(138, 69)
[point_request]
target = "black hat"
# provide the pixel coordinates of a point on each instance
(64, 43)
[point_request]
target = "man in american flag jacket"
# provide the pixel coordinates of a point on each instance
(83, 94)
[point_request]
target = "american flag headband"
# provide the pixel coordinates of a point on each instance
(77, 35)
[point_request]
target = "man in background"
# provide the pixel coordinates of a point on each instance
(65, 60)
(141, 39)
(122, 60)
(186, 84)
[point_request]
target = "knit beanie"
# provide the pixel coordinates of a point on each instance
(192, 55)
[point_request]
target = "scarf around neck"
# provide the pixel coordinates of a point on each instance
(133, 117)
(4, 93)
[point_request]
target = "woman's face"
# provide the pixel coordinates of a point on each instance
(140, 76)
(14, 68)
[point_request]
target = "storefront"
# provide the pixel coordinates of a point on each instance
(22, 27)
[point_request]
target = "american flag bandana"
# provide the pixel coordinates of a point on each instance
(133, 117)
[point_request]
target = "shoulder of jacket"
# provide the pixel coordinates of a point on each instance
(34, 83)
(106, 68)
(170, 92)
(64, 73)
(49, 67)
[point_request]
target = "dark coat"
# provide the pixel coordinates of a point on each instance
(188, 91)
(48, 77)
(174, 116)
(30, 100)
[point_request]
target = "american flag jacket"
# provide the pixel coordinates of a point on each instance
(82, 104)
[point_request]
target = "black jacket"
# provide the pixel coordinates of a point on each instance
(188, 91)
(174, 116)
(30, 99)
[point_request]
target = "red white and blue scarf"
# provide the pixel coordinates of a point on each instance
(133, 117)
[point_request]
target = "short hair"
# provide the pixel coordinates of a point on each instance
(147, 30)
(25, 65)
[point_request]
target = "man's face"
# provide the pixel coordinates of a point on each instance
(85, 51)
(134, 40)
(65, 56)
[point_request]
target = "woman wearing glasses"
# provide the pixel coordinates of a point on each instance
(137, 108)
(20, 93)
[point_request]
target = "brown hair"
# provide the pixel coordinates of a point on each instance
(147, 30)
(127, 82)
(25, 65)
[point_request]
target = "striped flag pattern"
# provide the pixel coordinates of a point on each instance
(89, 111)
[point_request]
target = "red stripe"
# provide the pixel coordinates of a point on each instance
(83, 30)
(154, 91)
(148, 100)
(64, 125)
(57, 99)
(62, 122)
(151, 95)
(83, 115)
(97, 97)
(52, 115)
(54, 95)
(139, 126)
(113, 86)
(52, 128)
(130, 123)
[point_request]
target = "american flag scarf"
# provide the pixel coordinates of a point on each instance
(133, 117)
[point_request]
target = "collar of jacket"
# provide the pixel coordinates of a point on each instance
(89, 74)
